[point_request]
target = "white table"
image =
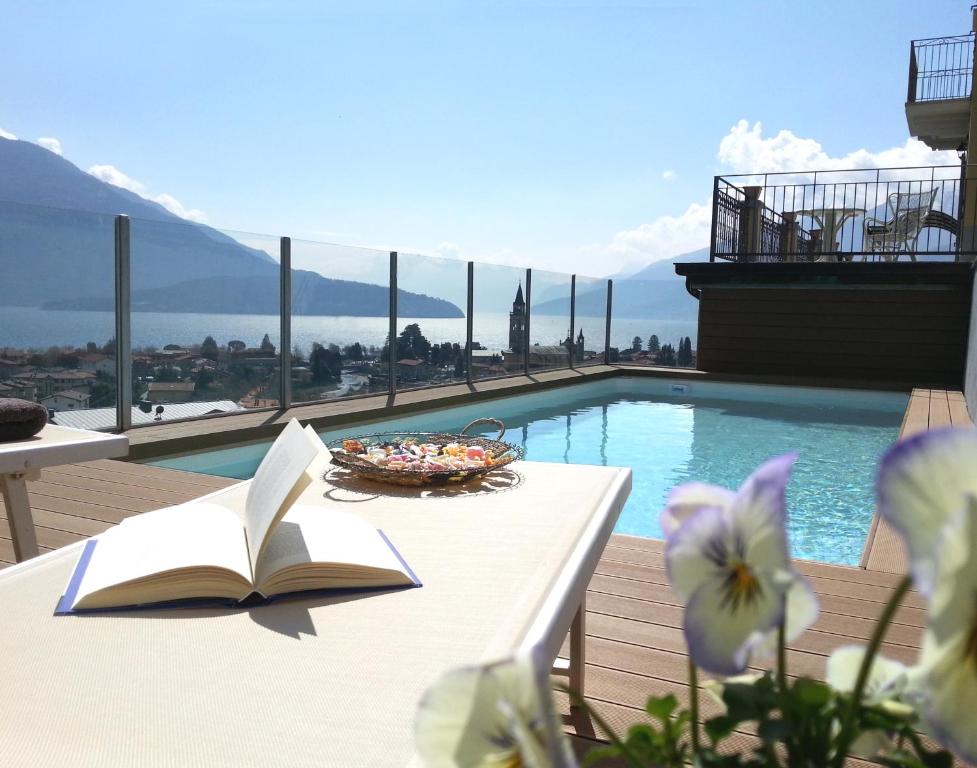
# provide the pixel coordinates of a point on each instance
(830, 220)
(313, 682)
(22, 460)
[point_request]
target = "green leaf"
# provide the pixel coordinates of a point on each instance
(811, 692)
(599, 754)
(720, 727)
(661, 707)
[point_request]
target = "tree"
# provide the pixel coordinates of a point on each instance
(236, 345)
(108, 348)
(91, 347)
(636, 344)
(325, 364)
(653, 345)
(266, 345)
(685, 352)
(209, 348)
(353, 351)
(204, 379)
(412, 344)
(666, 355)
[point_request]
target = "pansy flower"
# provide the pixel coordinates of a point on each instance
(728, 559)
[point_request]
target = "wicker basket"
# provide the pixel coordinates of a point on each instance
(502, 454)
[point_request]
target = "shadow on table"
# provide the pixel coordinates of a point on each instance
(350, 488)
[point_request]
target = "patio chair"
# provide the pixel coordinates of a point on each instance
(897, 233)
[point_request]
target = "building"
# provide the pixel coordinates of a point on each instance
(68, 400)
(49, 382)
(517, 323)
(170, 391)
(96, 362)
(410, 369)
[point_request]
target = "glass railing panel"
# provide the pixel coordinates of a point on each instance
(57, 312)
(550, 345)
(340, 321)
(590, 320)
(499, 321)
(205, 320)
(655, 322)
(431, 322)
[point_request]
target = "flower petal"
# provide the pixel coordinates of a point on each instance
(759, 513)
(886, 678)
(921, 482)
(694, 552)
(951, 700)
(721, 636)
(483, 715)
(685, 500)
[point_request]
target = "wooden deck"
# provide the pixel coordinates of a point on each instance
(634, 638)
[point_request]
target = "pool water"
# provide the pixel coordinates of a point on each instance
(670, 433)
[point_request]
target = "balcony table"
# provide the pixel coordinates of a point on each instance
(831, 220)
(22, 460)
(317, 681)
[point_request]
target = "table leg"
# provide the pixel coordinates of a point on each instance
(578, 653)
(573, 668)
(14, 489)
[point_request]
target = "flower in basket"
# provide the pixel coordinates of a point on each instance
(498, 714)
(727, 557)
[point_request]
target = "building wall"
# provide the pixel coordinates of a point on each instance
(888, 334)
(970, 379)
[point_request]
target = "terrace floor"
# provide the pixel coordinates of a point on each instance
(634, 638)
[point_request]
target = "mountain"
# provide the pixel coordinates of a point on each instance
(654, 292)
(57, 249)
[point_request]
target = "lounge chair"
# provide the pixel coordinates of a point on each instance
(897, 233)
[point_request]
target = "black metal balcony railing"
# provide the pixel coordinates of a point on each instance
(941, 68)
(874, 214)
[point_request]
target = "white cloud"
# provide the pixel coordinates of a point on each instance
(112, 175)
(50, 144)
(7, 135)
(665, 236)
(668, 175)
(745, 150)
(448, 250)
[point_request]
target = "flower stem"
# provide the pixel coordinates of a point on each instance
(694, 706)
(845, 736)
(782, 655)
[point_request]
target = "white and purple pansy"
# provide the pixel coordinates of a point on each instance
(728, 559)
(922, 481)
(490, 716)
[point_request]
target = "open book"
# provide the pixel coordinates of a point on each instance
(229, 547)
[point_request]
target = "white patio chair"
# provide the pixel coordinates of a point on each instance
(897, 233)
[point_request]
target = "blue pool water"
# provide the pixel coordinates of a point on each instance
(671, 432)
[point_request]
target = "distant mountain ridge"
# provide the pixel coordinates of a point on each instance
(654, 292)
(57, 250)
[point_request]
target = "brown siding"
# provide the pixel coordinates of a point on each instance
(905, 334)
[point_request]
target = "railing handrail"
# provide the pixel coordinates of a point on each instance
(726, 176)
(944, 39)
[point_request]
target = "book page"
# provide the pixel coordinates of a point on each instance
(189, 536)
(282, 467)
(328, 535)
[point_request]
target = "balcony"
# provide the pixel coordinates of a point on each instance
(887, 214)
(940, 82)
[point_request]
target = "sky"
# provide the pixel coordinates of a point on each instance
(562, 135)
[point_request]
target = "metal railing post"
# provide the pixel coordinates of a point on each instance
(572, 348)
(123, 324)
(392, 349)
(525, 330)
(285, 333)
(715, 216)
(470, 320)
(607, 323)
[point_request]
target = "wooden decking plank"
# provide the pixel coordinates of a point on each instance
(939, 409)
(843, 606)
(833, 587)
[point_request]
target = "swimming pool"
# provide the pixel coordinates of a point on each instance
(671, 431)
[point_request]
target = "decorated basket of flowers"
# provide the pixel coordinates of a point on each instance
(425, 458)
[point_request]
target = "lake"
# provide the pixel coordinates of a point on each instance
(32, 327)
